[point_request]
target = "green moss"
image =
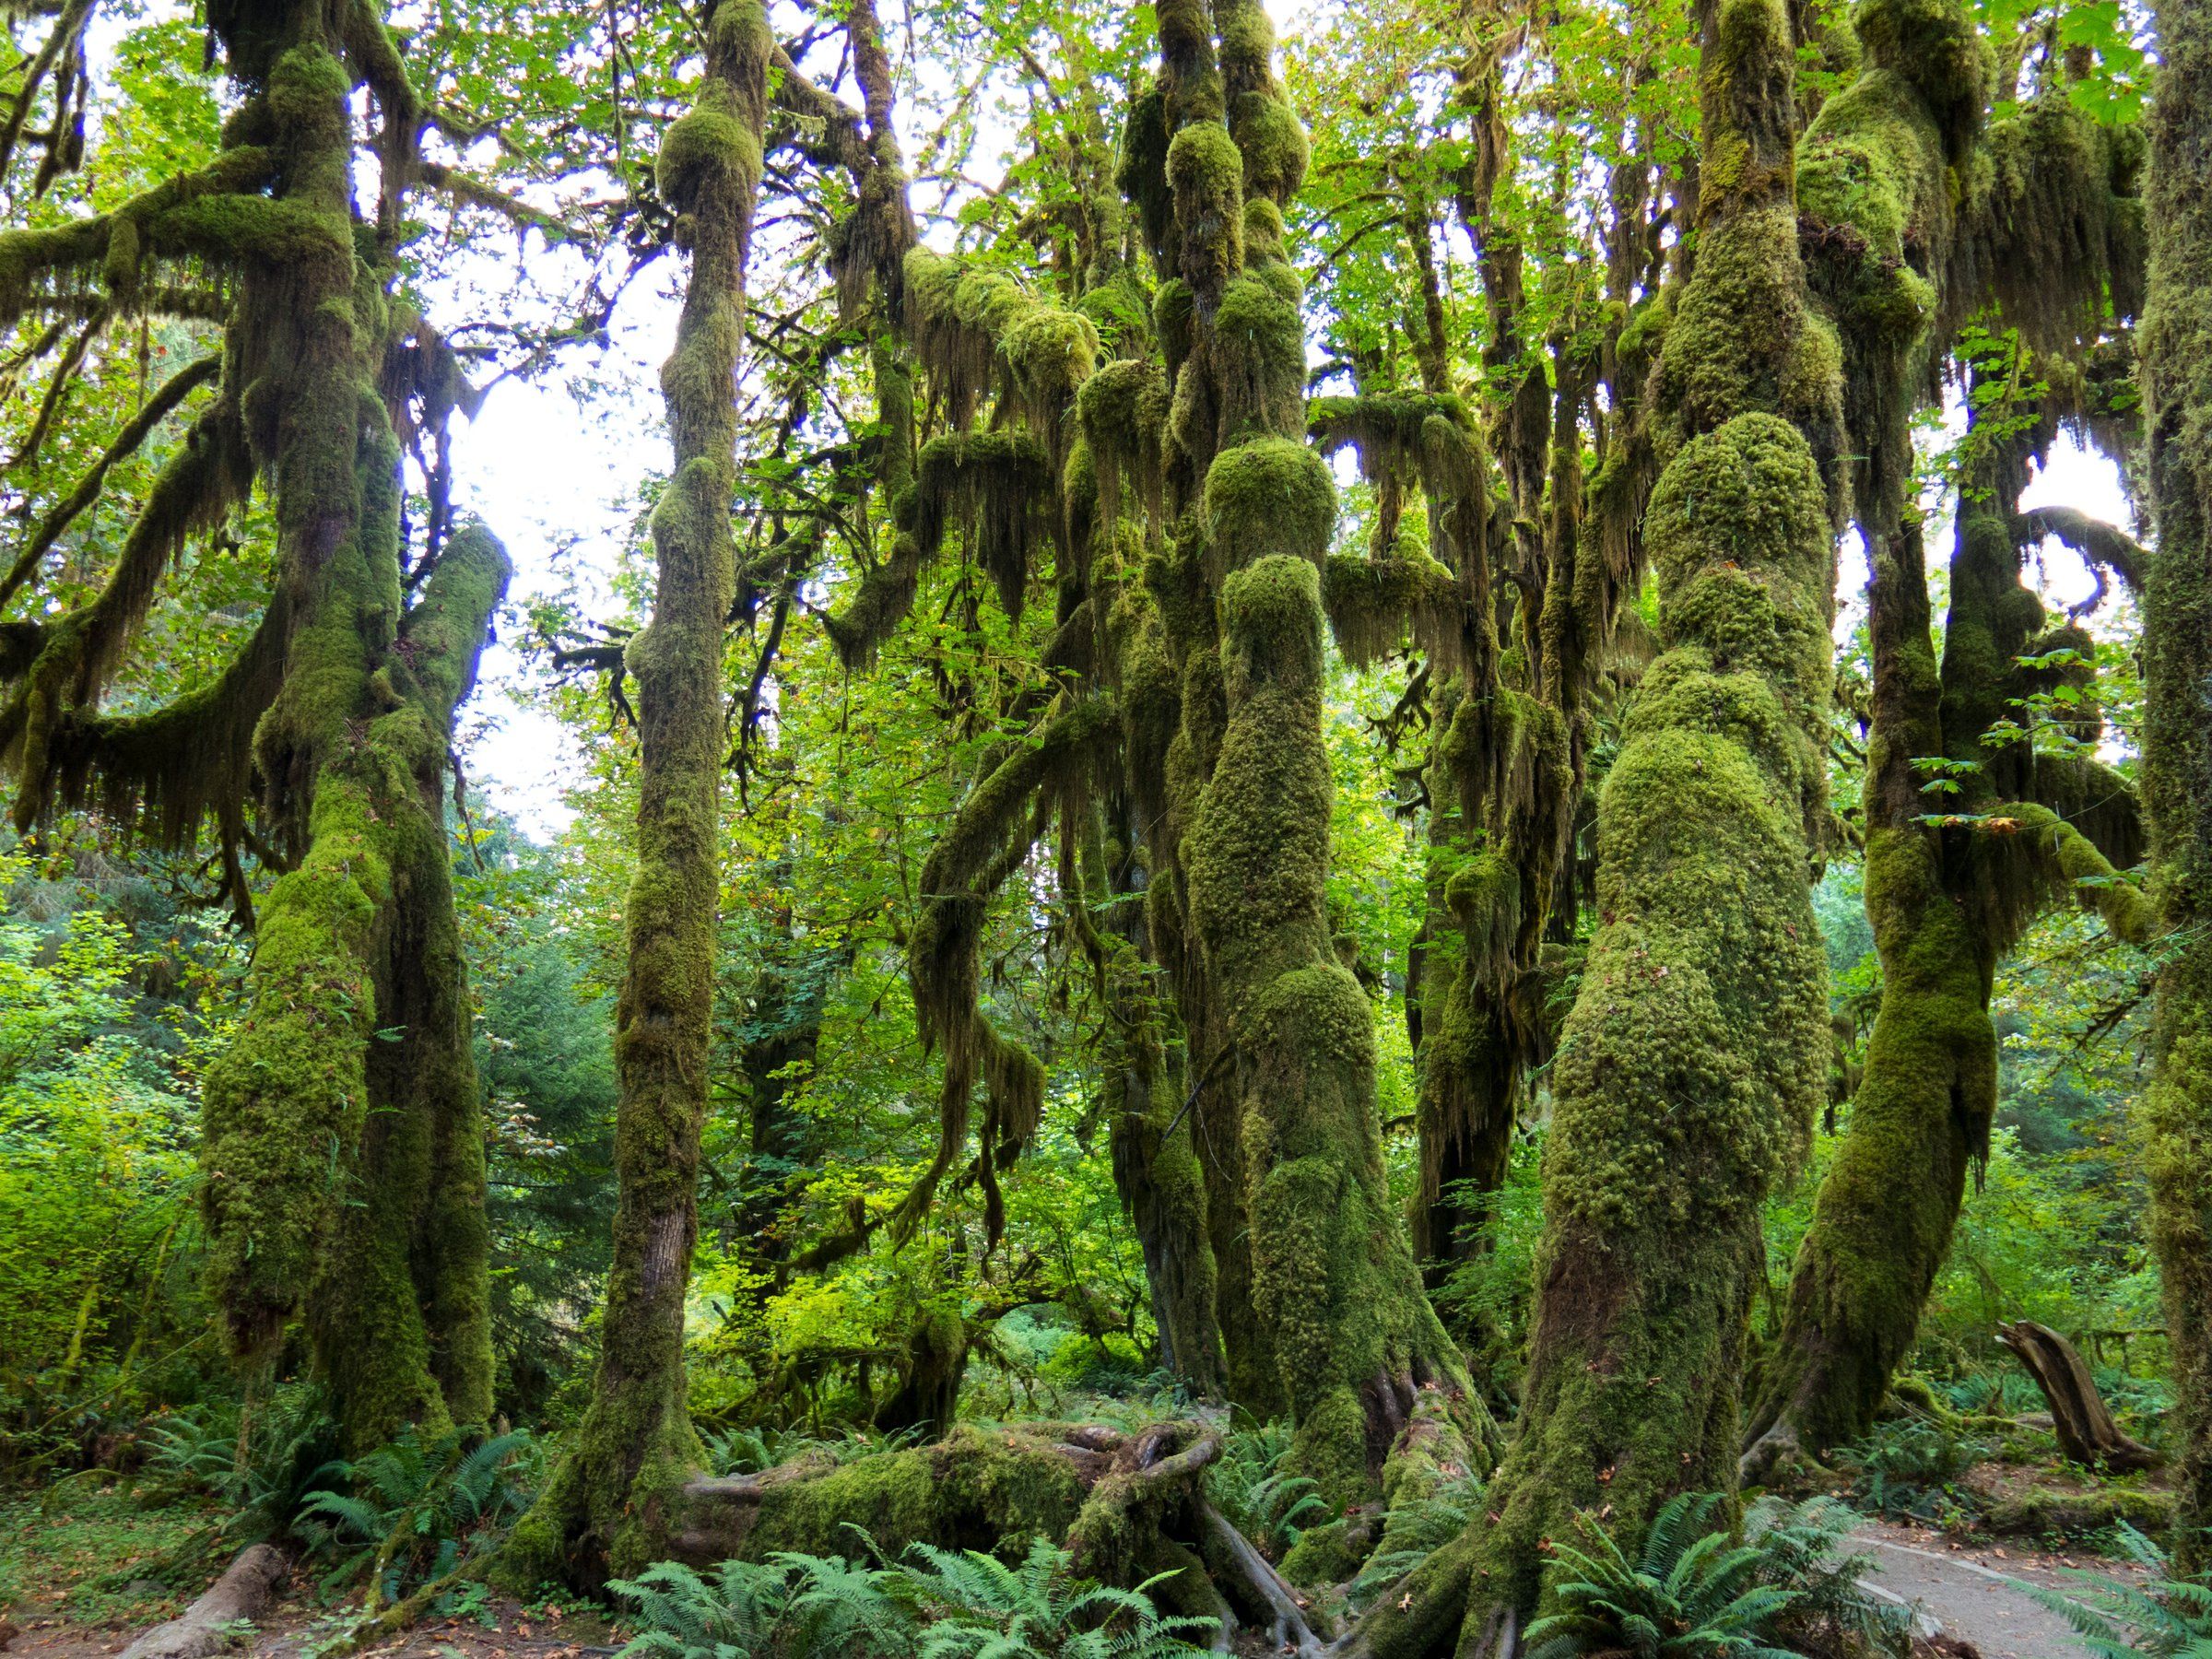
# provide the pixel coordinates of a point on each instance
(1326, 1555)
(1205, 176)
(2175, 343)
(1271, 496)
(1374, 605)
(1260, 369)
(1273, 142)
(707, 147)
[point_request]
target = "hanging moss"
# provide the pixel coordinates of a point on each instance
(2057, 234)
(1259, 382)
(989, 839)
(999, 487)
(1376, 604)
(972, 324)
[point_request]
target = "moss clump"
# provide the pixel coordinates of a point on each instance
(1124, 410)
(1271, 496)
(1205, 175)
(707, 147)
(1260, 368)
(1272, 141)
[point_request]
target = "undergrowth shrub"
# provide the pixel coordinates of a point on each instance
(1787, 1585)
(1250, 1487)
(410, 1512)
(1907, 1467)
(933, 1604)
(2162, 1618)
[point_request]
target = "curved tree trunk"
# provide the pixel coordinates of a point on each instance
(608, 1505)
(1945, 902)
(2177, 746)
(338, 1183)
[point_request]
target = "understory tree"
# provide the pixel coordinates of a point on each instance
(342, 1147)
(609, 1504)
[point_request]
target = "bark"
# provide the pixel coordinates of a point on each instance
(2177, 747)
(608, 1507)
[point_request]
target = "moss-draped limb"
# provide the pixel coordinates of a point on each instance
(1153, 1141)
(2176, 347)
(1902, 212)
(80, 652)
(986, 843)
(1352, 1338)
(608, 1505)
(64, 257)
(156, 409)
(973, 326)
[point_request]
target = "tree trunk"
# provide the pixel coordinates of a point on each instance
(609, 1505)
(2177, 739)
(1882, 1221)
(339, 1183)
(1697, 1050)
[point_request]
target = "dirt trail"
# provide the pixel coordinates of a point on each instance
(1966, 1589)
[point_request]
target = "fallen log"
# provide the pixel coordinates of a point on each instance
(207, 1626)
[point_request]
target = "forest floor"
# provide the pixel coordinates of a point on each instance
(65, 1592)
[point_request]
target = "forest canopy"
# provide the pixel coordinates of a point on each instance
(1062, 829)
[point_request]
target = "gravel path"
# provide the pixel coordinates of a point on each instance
(1966, 1592)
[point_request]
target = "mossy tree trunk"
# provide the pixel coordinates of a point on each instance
(1696, 1051)
(339, 1186)
(609, 1504)
(1894, 153)
(2177, 753)
(1342, 1333)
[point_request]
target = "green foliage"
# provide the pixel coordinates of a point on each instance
(2158, 1616)
(1416, 1527)
(262, 1465)
(1251, 1484)
(415, 1509)
(935, 1604)
(1692, 1592)
(1905, 1468)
